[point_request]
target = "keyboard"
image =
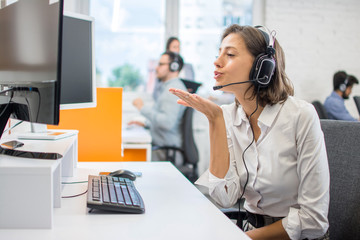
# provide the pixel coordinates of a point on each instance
(113, 194)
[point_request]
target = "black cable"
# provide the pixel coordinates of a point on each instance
(10, 128)
(38, 110)
(74, 182)
(6, 90)
(77, 195)
(239, 221)
(7, 105)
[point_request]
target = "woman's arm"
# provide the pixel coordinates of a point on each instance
(219, 152)
(272, 231)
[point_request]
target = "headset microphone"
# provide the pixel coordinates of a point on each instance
(253, 80)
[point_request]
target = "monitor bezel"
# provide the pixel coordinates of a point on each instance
(92, 103)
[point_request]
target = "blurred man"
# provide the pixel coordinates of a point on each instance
(164, 117)
(334, 104)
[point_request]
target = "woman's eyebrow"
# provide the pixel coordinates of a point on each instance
(228, 47)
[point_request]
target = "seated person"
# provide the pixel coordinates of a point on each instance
(165, 115)
(334, 104)
(267, 146)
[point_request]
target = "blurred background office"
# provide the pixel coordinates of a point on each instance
(319, 37)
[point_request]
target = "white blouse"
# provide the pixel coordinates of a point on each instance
(288, 167)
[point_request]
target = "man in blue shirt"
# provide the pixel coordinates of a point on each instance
(165, 115)
(334, 104)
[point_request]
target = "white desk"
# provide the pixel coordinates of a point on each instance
(174, 209)
(38, 179)
(137, 138)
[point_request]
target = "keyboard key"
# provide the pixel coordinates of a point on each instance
(119, 195)
(126, 195)
(112, 193)
(96, 196)
(105, 192)
(134, 197)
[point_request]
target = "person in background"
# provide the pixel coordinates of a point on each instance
(335, 103)
(187, 72)
(165, 115)
(267, 146)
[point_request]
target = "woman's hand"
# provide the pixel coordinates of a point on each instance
(205, 106)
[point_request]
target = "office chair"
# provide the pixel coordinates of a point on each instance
(342, 140)
(191, 86)
(320, 109)
(188, 150)
(357, 102)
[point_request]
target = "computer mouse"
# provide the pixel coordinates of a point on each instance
(123, 174)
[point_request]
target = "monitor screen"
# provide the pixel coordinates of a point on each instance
(30, 61)
(78, 79)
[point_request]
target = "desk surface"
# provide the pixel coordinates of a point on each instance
(136, 134)
(175, 209)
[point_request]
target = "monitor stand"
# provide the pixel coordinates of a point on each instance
(40, 132)
(4, 117)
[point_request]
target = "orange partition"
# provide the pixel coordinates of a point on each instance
(100, 129)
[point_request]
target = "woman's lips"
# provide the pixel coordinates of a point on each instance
(217, 74)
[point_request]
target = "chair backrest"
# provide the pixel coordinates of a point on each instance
(320, 109)
(357, 102)
(342, 139)
(189, 145)
(191, 86)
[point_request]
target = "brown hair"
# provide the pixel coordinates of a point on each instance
(280, 86)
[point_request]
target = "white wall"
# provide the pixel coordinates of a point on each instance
(319, 37)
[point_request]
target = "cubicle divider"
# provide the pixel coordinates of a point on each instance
(100, 129)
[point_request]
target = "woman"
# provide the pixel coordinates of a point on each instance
(187, 72)
(267, 146)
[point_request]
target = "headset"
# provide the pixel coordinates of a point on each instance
(343, 86)
(174, 65)
(264, 64)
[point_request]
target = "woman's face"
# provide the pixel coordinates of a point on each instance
(174, 46)
(233, 63)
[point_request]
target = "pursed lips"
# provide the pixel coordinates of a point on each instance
(217, 74)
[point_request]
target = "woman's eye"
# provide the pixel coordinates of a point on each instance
(230, 55)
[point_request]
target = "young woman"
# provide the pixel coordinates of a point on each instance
(267, 146)
(187, 72)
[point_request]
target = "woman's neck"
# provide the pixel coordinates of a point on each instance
(249, 106)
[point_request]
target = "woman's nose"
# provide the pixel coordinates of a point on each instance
(217, 62)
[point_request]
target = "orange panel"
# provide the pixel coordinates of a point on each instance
(136, 155)
(99, 128)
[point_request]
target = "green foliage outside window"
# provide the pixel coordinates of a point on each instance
(125, 76)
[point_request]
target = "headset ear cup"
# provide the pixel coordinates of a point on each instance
(342, 87)
(174, 66)
(262, 70)
(253, 71)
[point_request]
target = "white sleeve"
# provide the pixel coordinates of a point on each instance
(224, 191)
(308, 219)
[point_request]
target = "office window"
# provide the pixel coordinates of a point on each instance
(129, 38)
(201, 24)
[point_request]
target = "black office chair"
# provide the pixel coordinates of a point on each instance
(320, 109)
(357, 102)
(188, 150)
(342, 140)
(191, 86)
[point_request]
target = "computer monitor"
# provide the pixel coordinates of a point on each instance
(78, 74)
(30, 63)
